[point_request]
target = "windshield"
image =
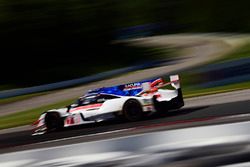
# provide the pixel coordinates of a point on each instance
(82, 101)
(92, 99)
(87, 100)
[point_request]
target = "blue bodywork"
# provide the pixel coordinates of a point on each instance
(131, 89)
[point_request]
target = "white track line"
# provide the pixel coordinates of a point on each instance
(76, 137)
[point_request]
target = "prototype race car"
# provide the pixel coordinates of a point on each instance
(129, 101)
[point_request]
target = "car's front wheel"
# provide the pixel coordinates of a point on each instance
(53, 121)
(132, 110)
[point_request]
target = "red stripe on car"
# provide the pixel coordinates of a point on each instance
(91, 106)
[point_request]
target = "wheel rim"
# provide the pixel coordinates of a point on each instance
(133, 111)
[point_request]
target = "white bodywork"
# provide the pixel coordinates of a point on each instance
(108, 109)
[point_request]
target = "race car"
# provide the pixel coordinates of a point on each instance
(130, 101)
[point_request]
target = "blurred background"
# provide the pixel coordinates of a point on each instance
(46, 41)
(206, 42)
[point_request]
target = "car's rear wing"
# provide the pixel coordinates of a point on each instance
(159, 83)
(174, 81)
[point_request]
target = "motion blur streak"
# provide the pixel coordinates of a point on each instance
(55, 44)
(153, 149)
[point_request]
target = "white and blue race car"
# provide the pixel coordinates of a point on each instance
(129, 101)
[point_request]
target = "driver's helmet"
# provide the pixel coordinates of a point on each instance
(89, 99)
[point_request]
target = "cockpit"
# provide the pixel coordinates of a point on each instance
(92, 99)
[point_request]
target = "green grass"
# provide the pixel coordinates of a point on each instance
(238, 53)
(29, 116)
(187, 93)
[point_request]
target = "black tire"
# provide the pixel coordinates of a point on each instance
(53, 121)
(132, 110)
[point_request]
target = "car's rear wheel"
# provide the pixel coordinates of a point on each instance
(160, 107)
(132, 110)
(53, 121)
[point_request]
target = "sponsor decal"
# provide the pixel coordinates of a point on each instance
(132, 86)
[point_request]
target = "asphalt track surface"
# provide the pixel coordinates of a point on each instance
(186, 117)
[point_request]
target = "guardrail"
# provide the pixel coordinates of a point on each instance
(83, 80)
(224, 73)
